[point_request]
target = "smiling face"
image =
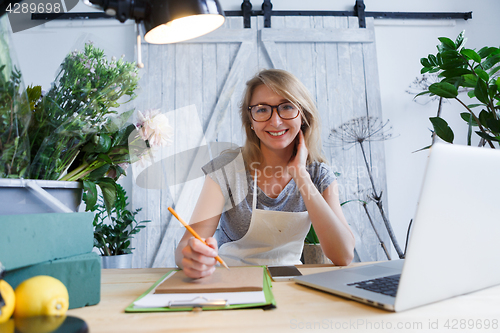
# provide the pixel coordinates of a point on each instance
(275, 134)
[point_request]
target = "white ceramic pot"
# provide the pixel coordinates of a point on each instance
(119, 261)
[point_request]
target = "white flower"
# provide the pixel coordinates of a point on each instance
(155, 128)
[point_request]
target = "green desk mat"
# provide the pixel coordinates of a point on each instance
(270, 302)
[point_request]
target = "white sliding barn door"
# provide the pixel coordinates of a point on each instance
(198, 84)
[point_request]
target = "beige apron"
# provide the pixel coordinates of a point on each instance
(273, 238)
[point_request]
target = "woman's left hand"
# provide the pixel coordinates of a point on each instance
(297, 164)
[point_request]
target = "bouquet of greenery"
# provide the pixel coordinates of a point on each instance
(74, 132)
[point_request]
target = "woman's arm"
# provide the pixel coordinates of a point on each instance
(334, 234)
(195, 258)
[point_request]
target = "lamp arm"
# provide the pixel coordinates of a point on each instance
(121, 9)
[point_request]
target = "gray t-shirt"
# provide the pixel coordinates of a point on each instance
(229, 172)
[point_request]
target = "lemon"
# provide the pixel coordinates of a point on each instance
(9, 299)
(41, 295)
(8, 327)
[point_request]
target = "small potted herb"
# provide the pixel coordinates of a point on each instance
(113, 232)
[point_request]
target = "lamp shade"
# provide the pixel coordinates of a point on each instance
(171, 21)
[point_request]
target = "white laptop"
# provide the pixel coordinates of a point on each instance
(454, 247)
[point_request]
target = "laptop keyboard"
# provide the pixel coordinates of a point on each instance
(387, 285)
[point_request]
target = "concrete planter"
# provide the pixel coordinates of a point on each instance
(313, 254)
(119, 261)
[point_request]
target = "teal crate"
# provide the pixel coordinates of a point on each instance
(34, 238)
(80, 274)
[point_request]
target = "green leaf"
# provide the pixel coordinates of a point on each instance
(494, 125)
(103, 144)
(471, 106)
(486, 51)
(487, 136)
(311, 237)
(481, 91)
(433, 60)
(456, 72)
(425, 62)
(468, 118)
(461, 40)
(453, 63)
(482, 74)
(99, 172)
(469, 80)
(108, 189)
(447, 43)
(425, 70)
(492, 90)
(471, 55)
(494, 70)
(443, 89)
(484, 116)
(490, 62)
(442, 129)
(90, 196)
(450, 55)
(471, 94)
(105, 158)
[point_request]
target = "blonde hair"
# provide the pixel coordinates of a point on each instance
(287, 85)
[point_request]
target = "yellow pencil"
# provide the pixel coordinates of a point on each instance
(191, 230)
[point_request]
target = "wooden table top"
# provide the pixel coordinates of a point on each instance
(298, 308)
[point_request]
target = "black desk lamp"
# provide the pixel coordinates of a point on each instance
(166, 21)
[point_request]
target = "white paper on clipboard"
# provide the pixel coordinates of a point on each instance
(153, 300)
(164, 300)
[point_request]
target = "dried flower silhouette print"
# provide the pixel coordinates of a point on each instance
(356, 132)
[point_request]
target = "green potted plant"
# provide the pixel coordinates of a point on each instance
(476, 72)
(113, 231)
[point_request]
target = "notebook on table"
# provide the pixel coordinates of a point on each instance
(453, 247)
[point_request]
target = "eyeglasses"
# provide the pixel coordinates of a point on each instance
(264, 112)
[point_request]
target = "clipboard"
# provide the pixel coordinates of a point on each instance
(204, 301)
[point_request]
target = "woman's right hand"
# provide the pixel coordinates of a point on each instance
(199, 259)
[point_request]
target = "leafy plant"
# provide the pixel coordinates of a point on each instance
(114, 238)
(74, 128)
(476, 71)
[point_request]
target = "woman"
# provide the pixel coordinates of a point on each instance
(267, 194)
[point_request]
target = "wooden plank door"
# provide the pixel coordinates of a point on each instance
(199, 84)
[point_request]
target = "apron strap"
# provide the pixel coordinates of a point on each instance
(254, 201)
